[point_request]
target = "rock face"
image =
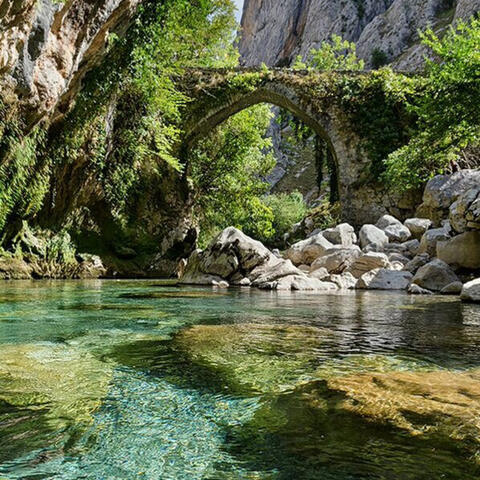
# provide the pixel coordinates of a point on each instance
(275, 32)
(47, 46)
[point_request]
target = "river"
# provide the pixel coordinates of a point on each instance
(143, 380)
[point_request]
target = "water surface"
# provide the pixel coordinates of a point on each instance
(138, 380)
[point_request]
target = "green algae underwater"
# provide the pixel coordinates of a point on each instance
(141, 380)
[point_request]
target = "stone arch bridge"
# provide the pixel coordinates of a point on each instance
(320, 101)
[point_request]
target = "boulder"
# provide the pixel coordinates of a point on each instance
(461, 251)
(372, 235)
(412, 247)
(336, 260)
(418, 261)
(298, 283)
(235, 258)
(454, 288)
(382, 279)
(307, 251)
(345, 281)
(394, 229)
(398, 258)
(429, 241)
(459, 209)
(343, 234)
(443, 190)
(271, 270)
(418, 226)
(319, 273)
(435, 276)
(415, 289)
(368, 261)
(471, 291)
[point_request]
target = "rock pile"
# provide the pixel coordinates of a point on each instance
(421, 255)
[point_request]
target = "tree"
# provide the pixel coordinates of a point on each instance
(447, 108)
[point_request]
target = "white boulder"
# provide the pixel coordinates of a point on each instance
(307, 251)
(471, 291)
(382, 279)
(372, 235)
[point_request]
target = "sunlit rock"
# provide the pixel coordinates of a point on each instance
(382, 279)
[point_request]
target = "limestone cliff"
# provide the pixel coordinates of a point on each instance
(276, 31)
(46, 46)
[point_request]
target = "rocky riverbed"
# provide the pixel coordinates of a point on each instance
(436, 252)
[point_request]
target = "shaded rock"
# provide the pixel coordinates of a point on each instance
(307, 251)
(343, 234)
(345, 281)
(435, 275)
(418, 226)
(394, 229)
(418, 261)
(458, 210)
(370, 234)
(336, 260)
(429, 241)
(415, 289)
(382, 279)
(471, 291)
(368, 261)
(462, 250)
(412, 246)
(454, 288)
(14, 268)
(398, 258)
(443, 190)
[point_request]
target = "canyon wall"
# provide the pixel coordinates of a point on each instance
(276, 31)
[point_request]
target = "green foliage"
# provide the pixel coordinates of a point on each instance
(447, 109)
(127, 117)
(288, 209)
(23, 179)
(227, 172)
(379, 58)
(336, 54)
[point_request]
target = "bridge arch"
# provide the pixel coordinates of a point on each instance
(219, 94)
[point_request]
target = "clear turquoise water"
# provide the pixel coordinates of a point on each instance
(134, 380)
